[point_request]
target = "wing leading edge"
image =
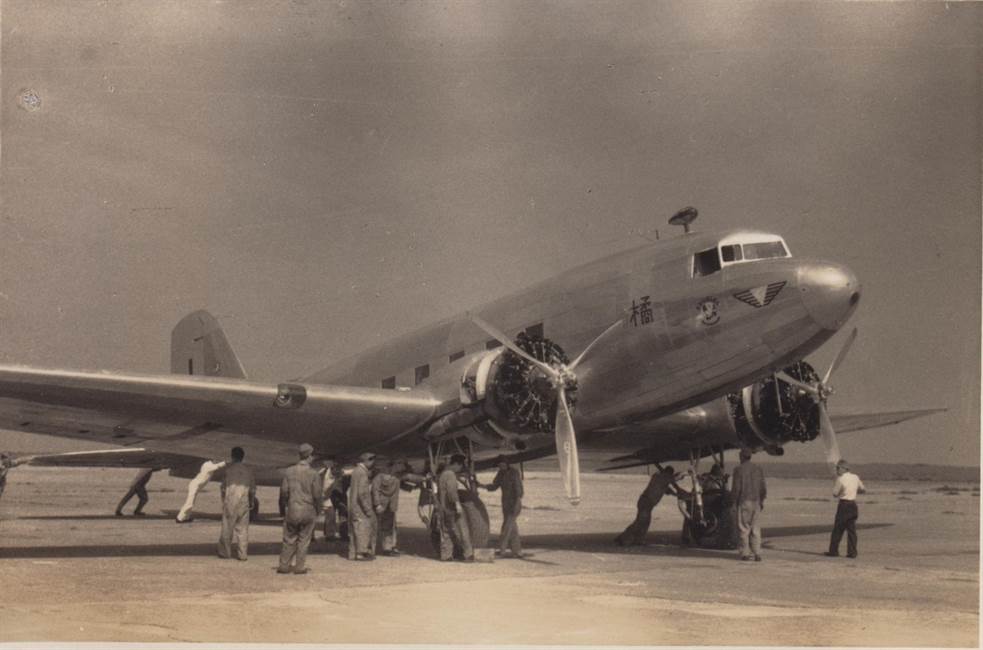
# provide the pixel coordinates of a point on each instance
(201, 416)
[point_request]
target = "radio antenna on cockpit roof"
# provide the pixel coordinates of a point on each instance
(684, 218)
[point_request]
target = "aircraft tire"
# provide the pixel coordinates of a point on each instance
(478, 523)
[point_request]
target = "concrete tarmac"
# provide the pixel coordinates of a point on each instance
(71, 571)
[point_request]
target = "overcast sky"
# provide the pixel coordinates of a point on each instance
(323, 176)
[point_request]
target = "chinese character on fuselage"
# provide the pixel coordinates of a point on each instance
(641, 311)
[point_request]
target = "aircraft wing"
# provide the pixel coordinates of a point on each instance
(860, 421)
(202, 417)
(114, 458)
(665, 448)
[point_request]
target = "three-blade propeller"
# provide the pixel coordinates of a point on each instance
(820, 392)
(561, 377)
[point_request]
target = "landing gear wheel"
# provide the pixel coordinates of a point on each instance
(716, 528)
(476, 517)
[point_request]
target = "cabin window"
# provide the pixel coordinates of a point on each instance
(422, 372)
(731, 253)
(454, 357)
(535, 331)
(706, 262)
(491, 344)
(389, 382)
(764, 250)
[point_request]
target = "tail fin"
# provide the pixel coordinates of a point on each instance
(199, 347)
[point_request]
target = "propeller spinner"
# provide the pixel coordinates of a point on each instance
(562, 378)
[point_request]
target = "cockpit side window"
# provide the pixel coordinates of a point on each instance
(764, 250)
(731, 253)
(706, 262)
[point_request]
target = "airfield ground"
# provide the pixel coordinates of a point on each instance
(73, 572)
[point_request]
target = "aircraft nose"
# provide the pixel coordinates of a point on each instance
(830, 293)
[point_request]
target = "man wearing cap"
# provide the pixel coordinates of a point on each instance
(848, 485)
(238, 494)
(301, 499)
(748, 491)
(361, 513)
(659, 484)
(453, 525)
(510, 481)
(197, 484)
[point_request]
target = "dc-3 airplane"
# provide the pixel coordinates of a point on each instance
(678, 349)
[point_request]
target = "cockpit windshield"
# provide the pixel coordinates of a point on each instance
(738, 249)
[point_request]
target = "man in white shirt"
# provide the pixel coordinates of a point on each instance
(848, 485)
(208, 468)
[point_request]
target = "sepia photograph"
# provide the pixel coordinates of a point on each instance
(497, 323)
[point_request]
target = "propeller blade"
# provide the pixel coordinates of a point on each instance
(829, 438)
(789, 379)
(500, 336)
(583, 354)
(841, 354)
(566, 449)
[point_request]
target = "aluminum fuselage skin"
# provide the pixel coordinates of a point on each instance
(694, 341)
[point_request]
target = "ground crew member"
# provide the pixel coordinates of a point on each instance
(385, 501)
(336, 515)
(301, 496)
(6, 464)
(361, 513)
(197, 484)
(139, 488)
(453, 524)
(659, 484)
(509, 480)
(238, 493)
(748, 491)
(848, 485)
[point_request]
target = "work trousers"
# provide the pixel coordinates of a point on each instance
(749, 526)
(387, 530)
(194, 487)
(846, 520)
(361, 534)
(140, 492)
(454, 530)
(235, 528)
(636, 531)
(509, 537)
(296, 541)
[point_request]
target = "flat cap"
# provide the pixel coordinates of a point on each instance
(368, 455)
(305, 450)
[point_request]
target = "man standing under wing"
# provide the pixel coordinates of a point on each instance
(848, 485)
(454, 529)
(749, 491)
(362, 521)
(238, 493)
(301, 498)
(510, 481)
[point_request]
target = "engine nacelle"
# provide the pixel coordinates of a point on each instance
(771, 412)
(516, 398)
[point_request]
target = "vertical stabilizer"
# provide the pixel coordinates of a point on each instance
(199, 347)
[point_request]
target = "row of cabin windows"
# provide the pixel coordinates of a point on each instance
(422, 372)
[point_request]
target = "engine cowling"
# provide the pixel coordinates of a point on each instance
(517, 399)
(771, 412)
